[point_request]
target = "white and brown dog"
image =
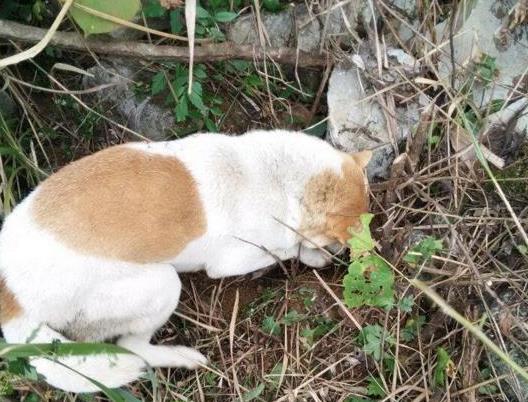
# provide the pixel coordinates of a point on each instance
(93, 253)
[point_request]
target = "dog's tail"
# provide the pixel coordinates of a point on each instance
(74, 373)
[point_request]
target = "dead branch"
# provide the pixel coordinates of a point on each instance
(208, 52)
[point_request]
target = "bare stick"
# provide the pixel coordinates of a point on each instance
(209, 52)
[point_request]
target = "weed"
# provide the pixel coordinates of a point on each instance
(412, 326)
(375, 387)
(370, 279)
(373, 338)
(445, 367)
(200, 106)
(423, 251)
(271, 326)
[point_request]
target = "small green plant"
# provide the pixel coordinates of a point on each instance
(487, 389)
(375, 387)
(271, 326)
(486, 69)
(198, 106)
(254, 393)
(319, 327)
(423, 251)
(406, 303)
(445, 367)
(207, 20)
(372, 338)
(409, 332)
(369, 280)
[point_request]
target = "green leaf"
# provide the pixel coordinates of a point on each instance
(372, 338)
(291, 317)
(375, 387)
(443, 364)
(176, 21)
(202, 12)
(270, 326)
(406, 304)
(196, 97)
(253, 393)
(182, 109)
(361, 242)
(200, 72)
(423, 251)
(153, 9)
(369, 282)
(90, 24)
(225, 16)
(274, 376)
(410, 330)
(158, 83)
(211, 125)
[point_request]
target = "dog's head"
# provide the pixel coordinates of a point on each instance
(335, 202)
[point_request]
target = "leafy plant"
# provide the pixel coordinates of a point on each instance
(486, 69)
(445, 367)
(370, 279)
(312, 334)
(254, 393)
(375, 387)
(410, 330)
(423, 251)
(373, 338)
(490, 388)
(271, 326)
(406, 304)
(197, 106)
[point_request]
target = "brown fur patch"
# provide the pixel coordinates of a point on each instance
(9, 307)
(332, 203)
(122, 203)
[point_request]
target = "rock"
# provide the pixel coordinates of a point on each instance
(503, 116)
(308, 29)
(356, 120)
(406, 33)
(342, 20)
(141, 115)
(407, 7)
(478, 35)
(355, 124)
(279, 28)
(8, 107)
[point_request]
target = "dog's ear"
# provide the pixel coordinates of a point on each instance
(362, 158)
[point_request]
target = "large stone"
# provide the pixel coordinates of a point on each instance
(480, 34)
(356, 120)
(356, 123)
(341, 20)
(279, 29)
(308, 29)
(142, 115)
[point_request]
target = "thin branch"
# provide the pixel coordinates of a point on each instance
(209, 52)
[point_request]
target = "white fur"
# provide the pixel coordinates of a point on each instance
(249, 187)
